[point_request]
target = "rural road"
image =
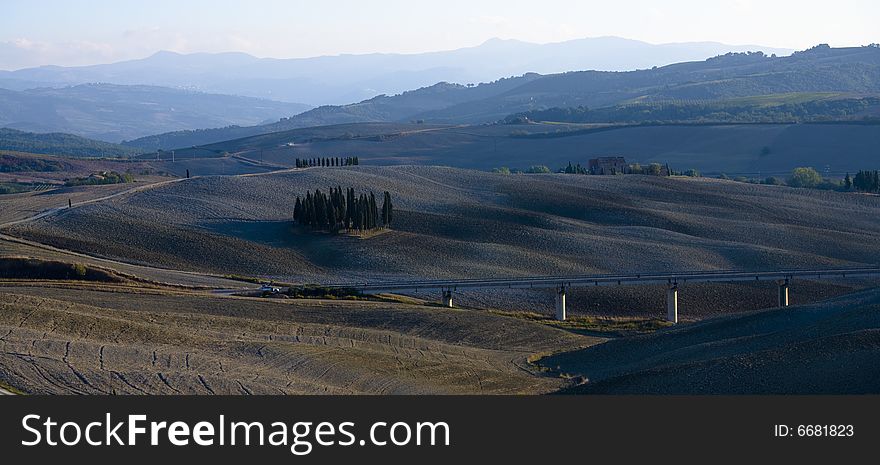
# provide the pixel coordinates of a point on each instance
(55, 210)
(52, 211)
(135, 189)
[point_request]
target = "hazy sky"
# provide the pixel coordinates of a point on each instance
(34, 32)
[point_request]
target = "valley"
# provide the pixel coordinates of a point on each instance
(133, 270)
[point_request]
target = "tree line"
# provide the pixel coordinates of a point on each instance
(104, 177)
(808, 177)
(767, 110)
(864, 181)
(326, 161)
(339, 211)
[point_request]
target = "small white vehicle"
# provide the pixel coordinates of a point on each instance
(269, 288)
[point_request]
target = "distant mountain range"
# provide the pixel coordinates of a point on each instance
(819, 70)
(345, 79)
(114, 113)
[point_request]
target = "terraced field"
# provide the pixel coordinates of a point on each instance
(97, 339)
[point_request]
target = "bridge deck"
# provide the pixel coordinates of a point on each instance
(615, 279)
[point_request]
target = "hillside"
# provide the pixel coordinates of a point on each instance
(817, 70)
(383, 108)
(474, 224)
(61, 144)
(116, 340)
(772, 108)
(114, 113)
(830, 347)
(820, 69)
(752, 149)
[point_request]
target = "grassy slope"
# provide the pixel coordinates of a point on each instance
(824, 348)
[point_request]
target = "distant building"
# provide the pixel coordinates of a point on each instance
(608, 165)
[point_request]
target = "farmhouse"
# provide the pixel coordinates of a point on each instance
(608, 165)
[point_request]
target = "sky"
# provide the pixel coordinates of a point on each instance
(35, 32)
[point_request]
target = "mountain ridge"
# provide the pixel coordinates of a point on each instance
(342, 79)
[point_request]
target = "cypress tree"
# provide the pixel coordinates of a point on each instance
(297, 211)
(310, 210)
(362, 212)
(374, 212)
(386, 210)
(331, 218)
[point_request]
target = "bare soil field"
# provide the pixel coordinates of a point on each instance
(832, 347)
(459, 223)
(97, 339)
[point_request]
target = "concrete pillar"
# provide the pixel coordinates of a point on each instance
(783, 293)
(560, 303)
(447, 298)
(672, 303)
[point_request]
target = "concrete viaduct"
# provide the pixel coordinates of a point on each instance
(672, 281)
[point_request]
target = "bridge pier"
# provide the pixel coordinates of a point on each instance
(672, 303)
(560, 303)
(447, 298)
(783, 292)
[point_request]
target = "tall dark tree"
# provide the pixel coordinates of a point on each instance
(374, 212)
(387, 210)
(297, 211)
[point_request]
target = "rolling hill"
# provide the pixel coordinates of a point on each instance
(451, 222)
(62, 144)
(734, 76)
(820, 69)
(830, 347)
(771, 108)
(114, 113)
(748, 149)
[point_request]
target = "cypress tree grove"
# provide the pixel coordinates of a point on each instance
(867, 181)
(335, 211)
